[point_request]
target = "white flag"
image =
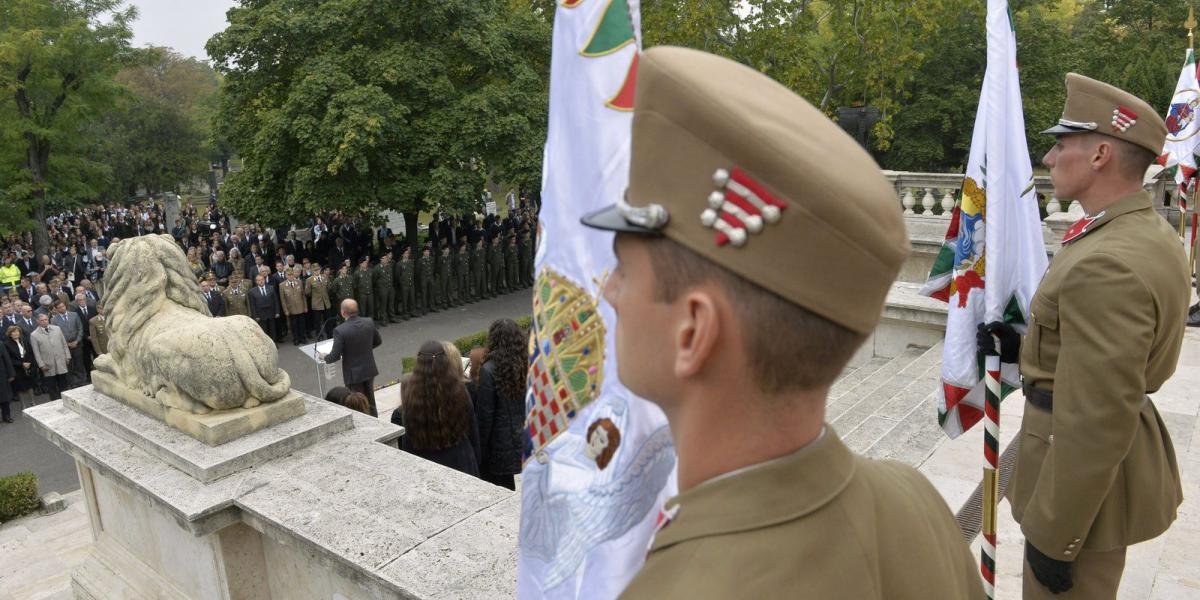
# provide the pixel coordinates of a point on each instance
(1179, 153)
(998, 209)
(599, 460)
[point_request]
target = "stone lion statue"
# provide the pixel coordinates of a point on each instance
(166, 345)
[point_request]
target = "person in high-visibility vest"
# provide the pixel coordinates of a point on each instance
(9, 275)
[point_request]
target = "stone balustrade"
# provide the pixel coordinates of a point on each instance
(934, 194)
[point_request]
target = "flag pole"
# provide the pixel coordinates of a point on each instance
(1183, 204)
(991, 470)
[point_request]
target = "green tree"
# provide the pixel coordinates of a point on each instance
(158, 132)
(367, 105)
(57, 60)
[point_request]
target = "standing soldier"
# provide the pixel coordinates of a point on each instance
(405, 286)
(525, 258)
(512, 268)
(316, 288)
(772, 503)
(425, 281)
(497, 267)
(464, 274)
(364, 287)
(98, 332)
(1096, 470)
(291, 295)
(479, 270)
(385, 286)
(235, 295)
(445, 278)
(342, 287)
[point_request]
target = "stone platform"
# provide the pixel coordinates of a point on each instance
(344, 516)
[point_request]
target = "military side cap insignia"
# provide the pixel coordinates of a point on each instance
(739, 205)
(1123, 118)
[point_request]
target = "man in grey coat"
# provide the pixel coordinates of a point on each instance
(354, 343)
(52, 354)
(73, 330)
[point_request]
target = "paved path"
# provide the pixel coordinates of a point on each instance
(22, 449)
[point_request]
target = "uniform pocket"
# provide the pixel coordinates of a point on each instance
(1036, 436)
(1044, 314)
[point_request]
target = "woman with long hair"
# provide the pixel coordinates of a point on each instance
(436, 412)
(501, 403)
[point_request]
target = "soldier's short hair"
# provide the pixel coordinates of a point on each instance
(788, 347)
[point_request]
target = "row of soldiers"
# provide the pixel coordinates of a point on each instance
(389, 290)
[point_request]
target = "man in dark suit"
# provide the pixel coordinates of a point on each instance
(85, 310)
(214, 300)
(264, 306)
(354, 343)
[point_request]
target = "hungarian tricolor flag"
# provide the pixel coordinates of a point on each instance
(997, 211)
(1179, 153)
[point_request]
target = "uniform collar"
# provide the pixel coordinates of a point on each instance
(1136, 201)
(773, 492)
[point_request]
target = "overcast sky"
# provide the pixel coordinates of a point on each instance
(184, 25)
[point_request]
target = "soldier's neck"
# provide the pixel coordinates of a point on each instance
(730, 432)
(1105, 193)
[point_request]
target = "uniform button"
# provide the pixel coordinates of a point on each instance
(1067, 552)
(1052, 441)
(1071, 546)
(1076, 540)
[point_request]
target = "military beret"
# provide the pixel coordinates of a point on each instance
(747, 174)
(1097, 107)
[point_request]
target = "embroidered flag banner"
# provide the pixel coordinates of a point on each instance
(998, 210)
(1179, 153)
(599, 461)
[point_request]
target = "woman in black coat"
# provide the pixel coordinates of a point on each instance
(8, 375)
(500, 405)
(436, 412)
(23, 363)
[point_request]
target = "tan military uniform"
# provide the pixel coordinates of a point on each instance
(317, 289)
(1096, 470)
(1099, 472)
(98, 333)
(291, 296)
(236, 302)
(822, 523)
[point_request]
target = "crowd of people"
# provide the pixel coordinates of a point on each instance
(470, 420)
(289, 282)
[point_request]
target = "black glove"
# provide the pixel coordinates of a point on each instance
(1010, 341)
(1054, 574)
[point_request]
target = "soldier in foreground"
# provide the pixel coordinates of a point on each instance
(726, 237)
(1096, 470)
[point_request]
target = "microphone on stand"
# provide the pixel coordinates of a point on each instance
(323, 333)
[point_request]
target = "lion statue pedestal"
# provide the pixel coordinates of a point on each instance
(215, 379)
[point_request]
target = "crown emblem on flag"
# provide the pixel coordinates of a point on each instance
(1123, 119)
(739, 206)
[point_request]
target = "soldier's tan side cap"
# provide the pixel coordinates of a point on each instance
(742, 171)
(1097, 107)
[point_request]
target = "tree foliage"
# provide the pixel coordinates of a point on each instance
(364, 105)
(57, 60)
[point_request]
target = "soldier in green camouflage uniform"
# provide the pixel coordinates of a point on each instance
(464, 274)
(385, 295)
(525, 259)
(424, 277)
(341, 288)
(364, 289)
(479, 269)
(405, 286)
(445, 278)
(512, 269)
(496, 268)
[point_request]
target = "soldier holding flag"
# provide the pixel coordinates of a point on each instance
(1096, 470)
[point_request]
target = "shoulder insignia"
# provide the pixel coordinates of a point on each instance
(1080, 228)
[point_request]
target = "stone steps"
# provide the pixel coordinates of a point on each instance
(853, 376)
(848, 410)
(890, 412)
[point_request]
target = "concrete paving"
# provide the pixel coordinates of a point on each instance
(22, 449)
